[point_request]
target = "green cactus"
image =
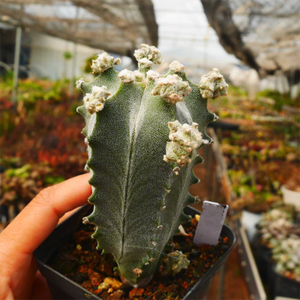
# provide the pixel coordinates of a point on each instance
(277, 225)
(142, 131)
(175, 262)
(286, 256)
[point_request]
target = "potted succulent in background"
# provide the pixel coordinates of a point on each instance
(252, 200)
(142, 132)
(285, 279)
(275, 227)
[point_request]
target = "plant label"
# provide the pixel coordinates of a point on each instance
(210, 224)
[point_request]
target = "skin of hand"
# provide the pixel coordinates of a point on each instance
(19, 277)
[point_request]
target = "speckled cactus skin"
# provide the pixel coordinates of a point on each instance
(138, 192)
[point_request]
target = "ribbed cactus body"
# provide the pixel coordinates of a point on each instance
(139, 191)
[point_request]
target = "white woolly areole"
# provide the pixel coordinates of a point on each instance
(94, 102)
(146, 63)
(126, 76)
(215, 117)
(213, 85)
(79, 83)
(103, 62)
(152, 75)
(184, 138)
(139, 77)
(149, 52)
(171, 88)
(176, 67)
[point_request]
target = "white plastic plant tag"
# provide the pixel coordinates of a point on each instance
(210, 224)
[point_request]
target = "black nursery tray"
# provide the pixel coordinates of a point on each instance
(62, 287)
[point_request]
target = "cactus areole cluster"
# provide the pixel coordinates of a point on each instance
(142, 133)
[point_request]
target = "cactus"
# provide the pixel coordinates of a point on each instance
(277, 225)
(175, 262)
(142, 134)
(286, 255)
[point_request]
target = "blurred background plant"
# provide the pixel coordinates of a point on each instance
(286, 256)
(277, 224)
(40, 141)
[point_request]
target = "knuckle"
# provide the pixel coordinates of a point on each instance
(45, 196)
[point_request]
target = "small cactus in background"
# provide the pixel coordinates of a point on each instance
(286, 255)
(281, 234)
(142, 133)
(277, 225)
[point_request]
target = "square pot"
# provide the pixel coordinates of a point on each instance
(63, 288)
(262, 256)
(281, 286)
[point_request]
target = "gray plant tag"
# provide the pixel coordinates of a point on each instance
(210, 224)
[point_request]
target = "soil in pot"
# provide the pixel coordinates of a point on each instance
(79, 260)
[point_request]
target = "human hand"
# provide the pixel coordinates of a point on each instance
(19, 278)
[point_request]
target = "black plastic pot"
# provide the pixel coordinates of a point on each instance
(276, 284)
(223, 125)
(262, 256)
(63, 288)
(281, 286)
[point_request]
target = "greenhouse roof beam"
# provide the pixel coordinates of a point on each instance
(84, 38)
(116, 26)
(148, 14)
(103, 11)
(220, 18)
(262, 34)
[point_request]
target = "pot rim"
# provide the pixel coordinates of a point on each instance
(284, 189)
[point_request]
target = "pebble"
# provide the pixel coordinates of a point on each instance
(136, 293)
(117, 294)
(113, 283)
(103, 286)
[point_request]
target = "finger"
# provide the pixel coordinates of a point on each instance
(38, 219)
(67, 215)
(40, 288)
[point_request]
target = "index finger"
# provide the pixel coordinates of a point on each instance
(38, 219)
